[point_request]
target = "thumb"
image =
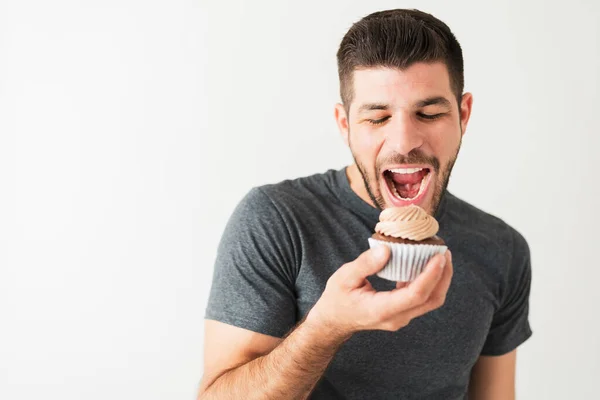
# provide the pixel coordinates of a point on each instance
(367, 264)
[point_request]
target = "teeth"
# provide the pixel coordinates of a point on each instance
(406, 170)
(395, 191)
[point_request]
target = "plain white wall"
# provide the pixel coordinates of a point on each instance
(130, 129)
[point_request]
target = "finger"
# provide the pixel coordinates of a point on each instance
(417, 292)
(353, 274)
(438, 295)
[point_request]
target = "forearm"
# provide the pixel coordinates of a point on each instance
(290, 371)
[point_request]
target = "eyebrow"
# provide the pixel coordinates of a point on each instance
(373, 106)
(442, 101)
(438, 100)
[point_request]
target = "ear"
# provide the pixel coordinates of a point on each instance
(341, 120)
(466, 105)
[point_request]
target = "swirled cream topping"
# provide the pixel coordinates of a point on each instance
(410, 222)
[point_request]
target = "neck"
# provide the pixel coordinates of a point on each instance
(357, 184)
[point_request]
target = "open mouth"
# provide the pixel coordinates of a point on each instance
(407, 184)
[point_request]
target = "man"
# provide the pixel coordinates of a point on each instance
(295, 310)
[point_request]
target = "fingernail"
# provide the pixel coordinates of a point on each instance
(443, 262)
(379, 253)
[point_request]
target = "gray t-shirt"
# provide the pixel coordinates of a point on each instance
(285, 240)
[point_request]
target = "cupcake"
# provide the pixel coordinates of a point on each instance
(410, 233)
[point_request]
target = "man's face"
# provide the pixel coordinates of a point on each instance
(404, 129)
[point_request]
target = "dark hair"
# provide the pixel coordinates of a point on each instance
(398, 39)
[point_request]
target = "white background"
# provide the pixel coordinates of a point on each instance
(130, 129)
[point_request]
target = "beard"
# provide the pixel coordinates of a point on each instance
(416, 156)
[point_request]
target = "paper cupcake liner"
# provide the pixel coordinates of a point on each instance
(407, 260)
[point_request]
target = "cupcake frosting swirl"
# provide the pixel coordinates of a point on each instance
(411, 223)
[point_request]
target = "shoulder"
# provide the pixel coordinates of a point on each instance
(488, 242)
(293, 201)
(468, 221)
(289, 192)
(277, 210)
(303, 189)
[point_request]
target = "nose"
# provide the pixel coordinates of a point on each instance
(403, 135)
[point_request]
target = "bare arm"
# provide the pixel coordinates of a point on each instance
(493, 377)
(291, 370)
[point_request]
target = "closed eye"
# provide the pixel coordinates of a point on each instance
(429, 116)
(377, 121)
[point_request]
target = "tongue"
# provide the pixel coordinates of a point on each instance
(407, 185)
(407, 191)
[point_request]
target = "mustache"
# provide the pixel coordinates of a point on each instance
(416, 156)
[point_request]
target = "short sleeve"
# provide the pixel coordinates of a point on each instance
(510, 324)
(253, 281)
